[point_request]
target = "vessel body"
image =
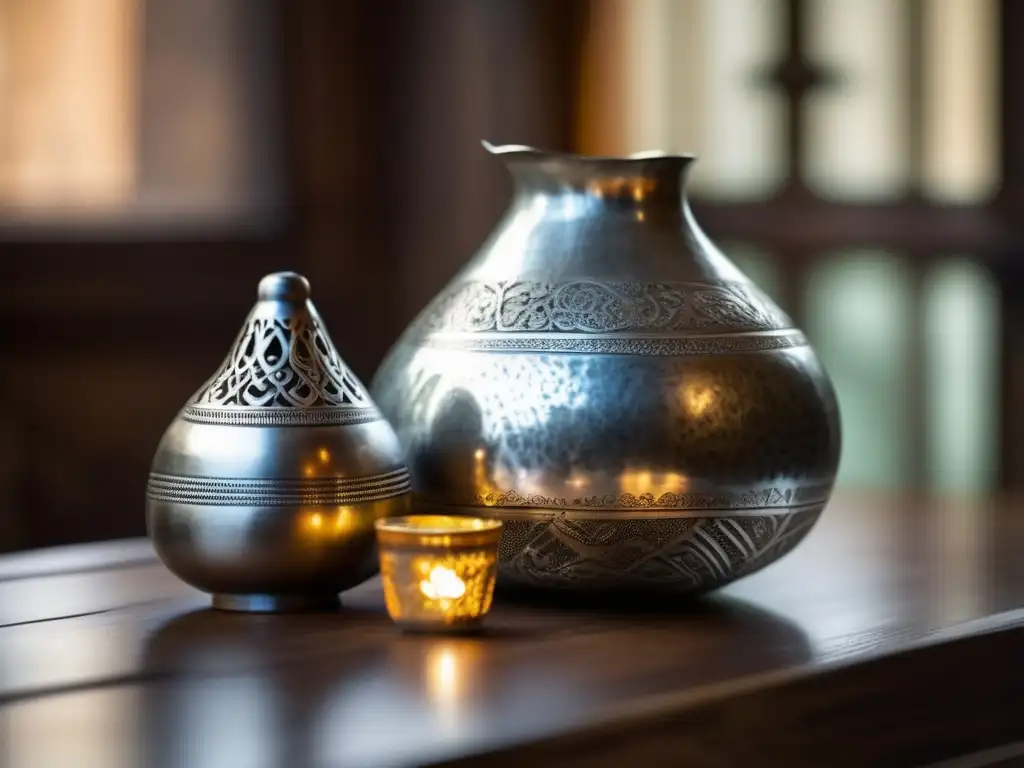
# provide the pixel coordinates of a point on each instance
(604, 380)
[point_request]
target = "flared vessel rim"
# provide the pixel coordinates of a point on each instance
(526, 150)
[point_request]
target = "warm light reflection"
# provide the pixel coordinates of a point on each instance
(698, 398)
(332, 523)
(448, 674)
(442, 675)
(324, 455)
(640, 482)
(482, 484)
(578, 481)
(636, 187)
(672, 481)
(345, 520)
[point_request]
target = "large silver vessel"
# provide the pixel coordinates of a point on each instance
(603, 379)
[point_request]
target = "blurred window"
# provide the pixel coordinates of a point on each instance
(805, 104)
(130, 113)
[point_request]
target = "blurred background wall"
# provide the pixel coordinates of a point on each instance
(863, 160)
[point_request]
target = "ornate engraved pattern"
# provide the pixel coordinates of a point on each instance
(755, 500)
(683, 345)
(283, 363)
(684, 555)
(277, 493)
(586, 306)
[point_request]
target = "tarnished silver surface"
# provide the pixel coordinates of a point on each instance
(604, 380)
(265, 488)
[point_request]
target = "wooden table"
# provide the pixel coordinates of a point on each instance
(893, 636)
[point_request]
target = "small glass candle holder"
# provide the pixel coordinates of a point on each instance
(438, 571)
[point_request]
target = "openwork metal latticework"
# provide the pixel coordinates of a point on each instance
(283, 362)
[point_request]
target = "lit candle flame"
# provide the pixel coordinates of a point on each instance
(443, 584)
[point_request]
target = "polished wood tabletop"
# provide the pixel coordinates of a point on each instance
(894, 635)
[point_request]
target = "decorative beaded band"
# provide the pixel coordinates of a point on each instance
(620, 345)
(280, 417)
(757, 501)
(275, 493)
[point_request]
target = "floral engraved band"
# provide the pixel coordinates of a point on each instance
(587, 316)
(593, 307)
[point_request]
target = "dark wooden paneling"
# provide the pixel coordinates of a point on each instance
(1010, 273)
(360, 166)
(389, 102)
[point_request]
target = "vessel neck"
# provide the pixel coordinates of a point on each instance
(647, 188)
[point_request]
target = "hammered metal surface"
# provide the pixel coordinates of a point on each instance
(603, 379)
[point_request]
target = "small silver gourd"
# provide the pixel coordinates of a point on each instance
(265, 488)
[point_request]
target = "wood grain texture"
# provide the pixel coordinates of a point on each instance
(890, 637)
(77, 558)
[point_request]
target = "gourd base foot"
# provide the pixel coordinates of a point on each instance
(275, 603)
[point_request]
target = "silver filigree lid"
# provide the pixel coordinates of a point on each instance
(283, 369)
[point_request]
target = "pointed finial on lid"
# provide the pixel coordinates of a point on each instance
(284, 286)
